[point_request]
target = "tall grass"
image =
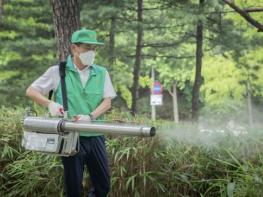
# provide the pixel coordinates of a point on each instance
(176, 165)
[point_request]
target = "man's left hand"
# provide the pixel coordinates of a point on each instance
(82, 118)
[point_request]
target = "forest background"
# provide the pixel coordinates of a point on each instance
(209, 53)
(214, 71)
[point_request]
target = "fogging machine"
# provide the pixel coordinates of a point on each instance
(61, 136)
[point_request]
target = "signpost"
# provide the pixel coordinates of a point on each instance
(156, 95)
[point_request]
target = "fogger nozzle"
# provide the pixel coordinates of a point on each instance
(51, 125)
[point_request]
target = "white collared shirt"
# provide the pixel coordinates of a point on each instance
(84, 74)
(50, 81)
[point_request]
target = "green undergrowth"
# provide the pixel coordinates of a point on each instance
(178, 161)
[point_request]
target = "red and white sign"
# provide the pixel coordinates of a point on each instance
(157, 88)
(157, 94)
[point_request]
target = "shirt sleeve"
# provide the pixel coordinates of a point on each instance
(48, 81)
(109, 91)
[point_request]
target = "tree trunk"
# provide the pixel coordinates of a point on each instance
(175, 103)
(249, 106)
(112, 41)
(198, 67)
(173, 94)
(153, 106)
(136, 71)
(1, 11)
(66, 19)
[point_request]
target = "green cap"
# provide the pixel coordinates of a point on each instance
(85, 36)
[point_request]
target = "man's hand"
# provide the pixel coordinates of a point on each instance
(55, 109)
(82, 118)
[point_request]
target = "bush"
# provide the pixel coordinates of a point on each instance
(180, 161)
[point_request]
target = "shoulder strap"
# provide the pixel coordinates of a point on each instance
(50, 94)
(62, 73)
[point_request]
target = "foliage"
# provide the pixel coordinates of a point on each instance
(24, 173)
(222, 87)
(27, 47)
(180, 161)
(188, 163)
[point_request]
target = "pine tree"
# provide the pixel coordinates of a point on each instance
(66, 18)
(27, 47)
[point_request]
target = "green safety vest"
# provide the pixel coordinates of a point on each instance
(83, 100)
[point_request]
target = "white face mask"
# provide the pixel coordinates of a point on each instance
(87, 58)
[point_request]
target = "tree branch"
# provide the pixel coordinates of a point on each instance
(162, 56)
(168, 56)
(253, 9)
(184, 38)
(170, 92)
(164, 27)
(245, 15)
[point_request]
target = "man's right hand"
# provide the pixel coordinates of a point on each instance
(55, 109)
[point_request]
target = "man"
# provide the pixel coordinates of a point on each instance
(89, 93)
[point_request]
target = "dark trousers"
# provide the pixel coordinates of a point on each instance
(92, 154)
